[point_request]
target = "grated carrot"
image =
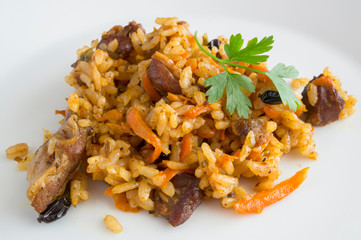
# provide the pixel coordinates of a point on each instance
(197, 110)
(141, 129)
(153, 94)
(257, 202)
(186, 147)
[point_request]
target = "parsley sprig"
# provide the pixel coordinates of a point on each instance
(234, 83)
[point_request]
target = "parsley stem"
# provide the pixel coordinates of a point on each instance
(226, 61)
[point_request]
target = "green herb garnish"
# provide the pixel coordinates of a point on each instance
(234, 83)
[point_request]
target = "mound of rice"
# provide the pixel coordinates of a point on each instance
(106, 89)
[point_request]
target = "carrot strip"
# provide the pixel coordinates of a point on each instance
(113, 114)
(300, 110)
(323, 81)
(215, 64)
(186, 147)
(109, 192)
(261, 67)
(177, 97)
(173, 97)
(237, 153)
(192, 62)
(270, 112)
(121, 202)
(148, 87)
(241, 70)
(226, 158)
(257, 202)
(197, 110)
(168, 174)
(141, 129)
(185, 54)
(254, 155)
(147, 147)
(62, 112)
(191, 39)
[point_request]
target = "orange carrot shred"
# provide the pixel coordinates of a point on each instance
(261, 67)
(62, 112)
(153, 94)
(185, 54)
(147, 146)
(168, 174)
(109, 192)
(141, 129)
(192, 62)
(300, 110)
(257, 202)
(178, 97)
(197, 110)
(173, 97)
(186, 147)
(226, 158)
(121, 202)
(113, 115)
(323, 81)
(237, 153)
(270, 112)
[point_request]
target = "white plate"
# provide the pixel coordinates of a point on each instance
(39, 40)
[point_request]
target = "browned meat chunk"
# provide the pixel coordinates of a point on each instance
(323, 101)
(188, 196)
(162, 79)
(55, 163)
(121, 34)
(258, 126)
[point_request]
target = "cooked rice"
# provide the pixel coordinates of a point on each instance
(113, 224)
(17, 151)
(112, 154)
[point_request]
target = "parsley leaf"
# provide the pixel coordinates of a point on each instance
(236, 99)
(217, 83)
(287, 96)
(234, 83)
(249, 54)
(234, 46)
(235, 96)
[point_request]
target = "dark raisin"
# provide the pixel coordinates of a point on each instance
(214, 43)
(55, 210)
(271, 97)
(164, 156)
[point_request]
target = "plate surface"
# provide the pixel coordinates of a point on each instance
(39, 40)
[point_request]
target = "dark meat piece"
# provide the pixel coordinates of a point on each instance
(121, 34)
(133, 27)
(162, 79)
(327, 106)
(188, 196)
(258, 126)
(50, 170)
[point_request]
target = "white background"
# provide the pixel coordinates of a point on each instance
(38, 42)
